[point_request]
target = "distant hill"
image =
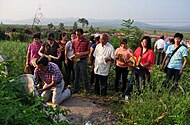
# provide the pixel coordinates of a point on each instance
(101, 23)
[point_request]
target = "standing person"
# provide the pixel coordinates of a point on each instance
(122, 59)
(32, 52)
(171, 42)
(81, 49)
(50, 74)
(91, 58)
(68, 62)
(62, 42)
(175, 66)
(159, 50)
(51, 50)
(145, 59)
(103, 54)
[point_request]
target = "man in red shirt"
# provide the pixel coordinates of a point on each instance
(81, 49)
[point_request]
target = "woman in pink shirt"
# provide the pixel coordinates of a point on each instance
(32, 52)
(122, 58)
(144, 60)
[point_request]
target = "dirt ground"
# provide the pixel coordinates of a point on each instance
(84, 109)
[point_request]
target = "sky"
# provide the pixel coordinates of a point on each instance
(167, 12)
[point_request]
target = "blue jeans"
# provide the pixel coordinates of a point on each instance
(140, 78)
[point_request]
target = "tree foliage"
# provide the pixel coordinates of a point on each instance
(83, 21)
(50, 25)
(75, 26)
(61, 26)
(133, 33)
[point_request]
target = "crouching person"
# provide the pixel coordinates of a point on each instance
(50, 74)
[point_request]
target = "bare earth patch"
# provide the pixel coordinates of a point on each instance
(84, 109)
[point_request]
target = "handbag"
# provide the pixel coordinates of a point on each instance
(27, 69)
(168, 59)
(166, 64)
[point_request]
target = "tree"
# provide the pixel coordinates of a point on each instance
(92, 30)
(75, 26)
(37, 17)
(61, 26)
(50, 26)
(83, 21)
(133, 33)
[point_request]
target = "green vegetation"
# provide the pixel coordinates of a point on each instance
(156, 105)
(17, 107)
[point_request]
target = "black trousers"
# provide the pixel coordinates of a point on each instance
(69, 70)
(101, 84)
(120, 71)
(172, 73)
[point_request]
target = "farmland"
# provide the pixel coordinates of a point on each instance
(156, 105)
(151, 107)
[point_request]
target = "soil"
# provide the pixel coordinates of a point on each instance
(84, 109)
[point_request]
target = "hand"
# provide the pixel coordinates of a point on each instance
(180, 72)
(78, 55)
(107, 60)
(161, 68)
(89, 61)
(66, 61)
(27, 63)
(40, 91)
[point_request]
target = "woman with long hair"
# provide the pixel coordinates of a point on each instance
(144, 60)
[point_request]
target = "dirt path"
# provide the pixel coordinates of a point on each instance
(84, 109)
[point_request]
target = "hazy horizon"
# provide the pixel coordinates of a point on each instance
(162, 12)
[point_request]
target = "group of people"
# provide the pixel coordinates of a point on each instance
(98, 53)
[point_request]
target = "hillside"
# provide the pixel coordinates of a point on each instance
(101, 23)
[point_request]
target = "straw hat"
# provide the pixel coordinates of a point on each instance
(132, 62)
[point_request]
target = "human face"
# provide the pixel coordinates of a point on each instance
(36, 40)
(73, 36)
(103, 40)
(78, 34)
(42, 68)
(124, 45)
(177, 40)
(144, 43)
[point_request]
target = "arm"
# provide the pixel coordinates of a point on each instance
(155, 45)
(28, 56)
(184, 64)
(90, 55)
(59, 53)
(66, 51)
(49, 86)
(41, 50)
(162, 66)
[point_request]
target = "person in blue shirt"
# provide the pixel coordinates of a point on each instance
(177, 62)
(171, 42)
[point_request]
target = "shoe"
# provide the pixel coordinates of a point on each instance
(69, 87)
(126, 97)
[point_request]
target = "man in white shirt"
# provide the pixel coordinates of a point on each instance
(103, 54)
(159, 50)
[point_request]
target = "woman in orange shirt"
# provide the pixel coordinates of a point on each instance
(122, 58)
